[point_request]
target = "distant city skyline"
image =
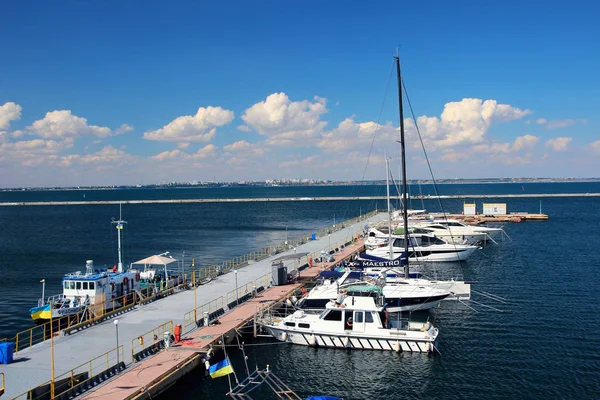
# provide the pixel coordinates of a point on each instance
(111, 93)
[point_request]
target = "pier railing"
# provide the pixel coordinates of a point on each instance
(150, 342)
(96, 313)
(212, 271)
(79, 379)
(197, 316)
(217, 307)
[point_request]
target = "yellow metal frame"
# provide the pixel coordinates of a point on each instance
(150, 338)
(93, 366)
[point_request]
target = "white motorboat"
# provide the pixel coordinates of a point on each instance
(424, 247)
(357, 322)
(410, 295)
(454, 234)
(453, 223)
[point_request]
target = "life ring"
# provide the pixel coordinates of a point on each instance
(137, 277)
(349, 322)
(125, 280)
(310, 262)
(304, 293)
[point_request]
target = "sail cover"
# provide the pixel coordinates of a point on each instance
(368, 261)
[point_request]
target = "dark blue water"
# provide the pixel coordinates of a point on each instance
(291, 191)
(543, 345)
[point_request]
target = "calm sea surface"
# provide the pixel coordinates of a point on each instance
(544, 343)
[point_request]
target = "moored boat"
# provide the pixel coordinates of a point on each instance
(97, 290)
(354, 323)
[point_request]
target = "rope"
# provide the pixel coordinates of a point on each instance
(435, 187)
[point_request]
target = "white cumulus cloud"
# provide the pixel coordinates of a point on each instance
(177, 154)
(466, 121)
(595, 146)
(200, 127)
(244, 128)
(123, 128)
(352, 135)
(559, 144)
(286, 122)
(9, 112)
(60, 124)
(525, 142)
(559, 123)
(244, 148)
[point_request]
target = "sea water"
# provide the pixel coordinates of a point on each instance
(542, 343)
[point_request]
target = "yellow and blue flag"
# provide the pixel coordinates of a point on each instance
(221, 368)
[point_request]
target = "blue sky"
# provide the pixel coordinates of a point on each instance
(101, 93)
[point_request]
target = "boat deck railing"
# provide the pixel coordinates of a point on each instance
(79, 379)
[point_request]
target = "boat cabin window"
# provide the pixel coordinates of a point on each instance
(85, 286)
(66, 284)
(413, 241)
(303, 325)
(71, 285)
(369, 317)
(92, 285)
(428, 240)
(358, 316)
(333, 315)
(289, 323)
(78, 285)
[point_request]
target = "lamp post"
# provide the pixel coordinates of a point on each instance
(194, 288)
(237, 300)
(286, 236)
(116, 322)
(329, 250)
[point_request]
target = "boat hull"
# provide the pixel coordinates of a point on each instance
(42, 314)
(353, 341)
(428, 255)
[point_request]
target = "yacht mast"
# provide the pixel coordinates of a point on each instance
(403, 158)
(119, 224)
(389, 210)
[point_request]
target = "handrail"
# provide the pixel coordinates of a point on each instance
(76, 376)
(150, 338)
(191, 317)
(40, 333)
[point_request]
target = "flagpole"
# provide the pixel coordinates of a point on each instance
(43, 281)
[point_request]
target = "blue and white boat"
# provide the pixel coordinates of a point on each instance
(97, 290)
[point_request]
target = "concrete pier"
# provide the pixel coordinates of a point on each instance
(285, 199)
(32, 366)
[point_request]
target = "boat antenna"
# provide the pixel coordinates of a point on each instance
(403, 160)
(119, 225)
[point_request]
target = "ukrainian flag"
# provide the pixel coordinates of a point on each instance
(221, 368)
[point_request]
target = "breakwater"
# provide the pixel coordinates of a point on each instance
(288, 199)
